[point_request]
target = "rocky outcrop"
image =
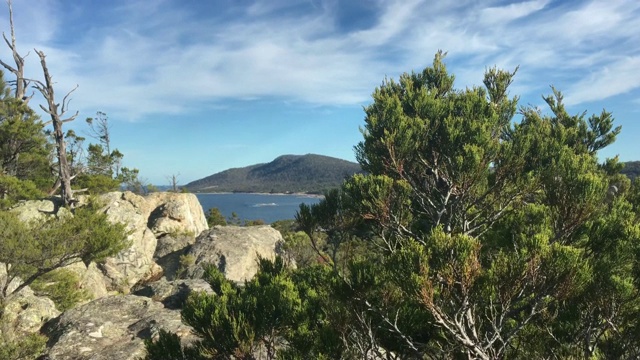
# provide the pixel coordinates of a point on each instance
(162, 228)
(175, 213)
(111, 328)
(159, 215)
(27, 312)
(39, 210)
(234, 250)
(24, 312)
(172, 294)
(136, 262)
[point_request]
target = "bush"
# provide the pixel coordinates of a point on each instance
(61, 286)
(26, 348)
(29, 251)
(215, 217)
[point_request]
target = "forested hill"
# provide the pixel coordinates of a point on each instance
(631, 169)
(288, 173)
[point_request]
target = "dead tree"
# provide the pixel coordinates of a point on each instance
(21, 83)
(173, 180)
(57, 112)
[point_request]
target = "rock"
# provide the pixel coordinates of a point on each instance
(112, 327)
(168, 244)
(172, 294)
(24, 311)
(38, 210)
(136, 262)
(91, 279)
(176, 218)
(170, 216)
(235, 250)
(176, 214)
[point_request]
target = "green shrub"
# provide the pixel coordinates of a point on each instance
(28, 347)
(215, 217)
(186, 261)
(61, 286)
(29, 251)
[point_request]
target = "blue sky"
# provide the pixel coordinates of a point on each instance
(193, 87)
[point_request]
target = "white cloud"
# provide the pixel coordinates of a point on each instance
(510, 12)
(617, 78)
(147, 58)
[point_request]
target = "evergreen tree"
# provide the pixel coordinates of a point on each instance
(24, 151)
(480, 235)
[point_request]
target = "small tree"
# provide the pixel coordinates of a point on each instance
(215, 217)
(28, 251)
(55, 110)
(101, 159)
(173, 182)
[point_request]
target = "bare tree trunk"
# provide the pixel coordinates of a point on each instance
(21, 83)
(173, 179)
(47, 91)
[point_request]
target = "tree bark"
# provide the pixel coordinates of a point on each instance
(21, 83)
(56, 113)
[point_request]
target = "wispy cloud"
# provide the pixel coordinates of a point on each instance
(143, 58)
(617, 78)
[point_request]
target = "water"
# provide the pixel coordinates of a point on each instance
(265, 207)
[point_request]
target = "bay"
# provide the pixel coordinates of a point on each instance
(266, 207)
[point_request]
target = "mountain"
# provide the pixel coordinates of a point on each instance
(631, 169)
(286, 174)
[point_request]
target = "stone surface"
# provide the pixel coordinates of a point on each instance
(136, 262)
(112, 327)
(175, 218)
(38, 210)
(176, 214)
(24, 311)
(91, 279)
(235, 250)
(168, 244)
(172, 294)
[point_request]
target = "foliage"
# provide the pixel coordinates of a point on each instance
(501, 233)
(472, 234)
(131, 181)
(215, 217)
(256, 222)
(186, 261)
(61, 286)
(240, 322)
(28, 347)
(29, 251)
(24, 149)
(96, 183)
(13, 189)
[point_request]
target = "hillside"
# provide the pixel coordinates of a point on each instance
(631, 169)
(288, 173)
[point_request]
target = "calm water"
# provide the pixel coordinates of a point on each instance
(268, 208)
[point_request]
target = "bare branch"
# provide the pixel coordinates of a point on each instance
(21, 83)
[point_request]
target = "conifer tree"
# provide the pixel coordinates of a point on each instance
(489, 232)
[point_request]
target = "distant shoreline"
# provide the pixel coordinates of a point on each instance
(307, 195)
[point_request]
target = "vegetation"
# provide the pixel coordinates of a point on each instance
(61, 286)
(472, 234)
(29, 251)
(631, 169)
(27, 348)
(215, 217)
(286, 174)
